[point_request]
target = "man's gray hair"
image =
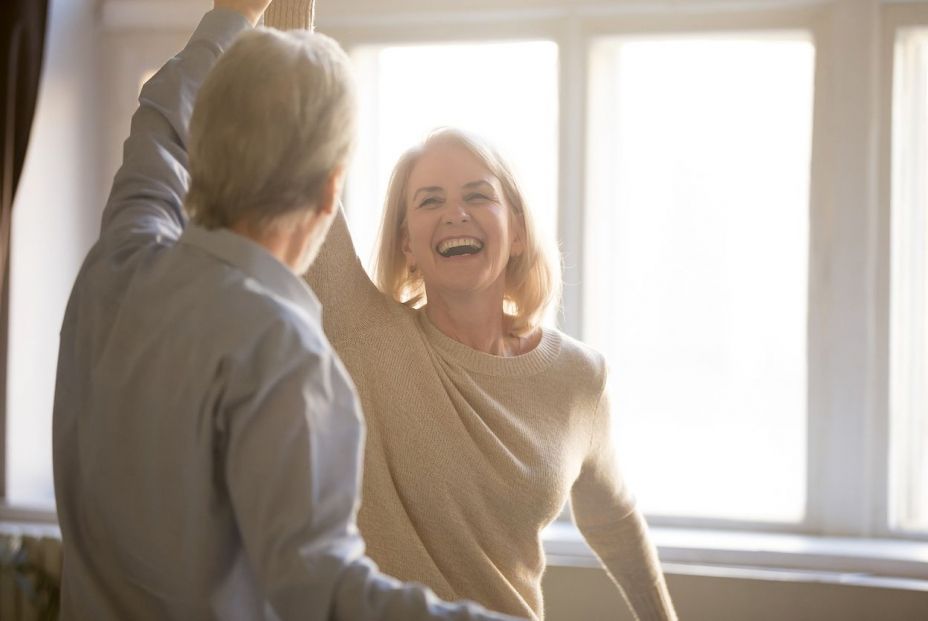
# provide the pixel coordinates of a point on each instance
(274, 118)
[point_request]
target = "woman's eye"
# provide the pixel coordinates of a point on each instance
(430, 202)
(476, 197)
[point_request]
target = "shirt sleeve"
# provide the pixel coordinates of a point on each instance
(604, 511)
(293, 440)
(146, 201)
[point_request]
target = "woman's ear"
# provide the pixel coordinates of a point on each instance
(517, 233)
(407, 250)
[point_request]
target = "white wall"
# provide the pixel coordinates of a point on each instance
(55, 218)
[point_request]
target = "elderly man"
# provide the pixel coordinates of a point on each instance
(207, 440)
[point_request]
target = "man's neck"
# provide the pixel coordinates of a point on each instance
(286, 245)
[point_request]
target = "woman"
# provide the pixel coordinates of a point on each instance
(481, 423)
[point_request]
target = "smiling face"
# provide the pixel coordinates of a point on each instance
(460, 232)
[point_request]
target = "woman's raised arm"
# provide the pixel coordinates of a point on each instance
(338, 278)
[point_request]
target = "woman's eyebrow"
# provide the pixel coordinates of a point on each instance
(429, 189)
(475, 184)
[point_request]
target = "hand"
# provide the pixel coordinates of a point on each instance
(251, 9)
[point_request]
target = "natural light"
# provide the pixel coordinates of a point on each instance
(697, 258)
(909, 300)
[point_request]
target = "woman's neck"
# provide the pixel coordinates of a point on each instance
(476, 321)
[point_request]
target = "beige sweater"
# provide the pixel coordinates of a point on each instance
(469, 456)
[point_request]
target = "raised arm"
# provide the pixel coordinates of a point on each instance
(337, 275)
(350, 300)
(605, 513)
(146, 201)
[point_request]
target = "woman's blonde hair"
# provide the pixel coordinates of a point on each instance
(274, 118)
(533, 278)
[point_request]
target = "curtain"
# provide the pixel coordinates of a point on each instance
(22, 41)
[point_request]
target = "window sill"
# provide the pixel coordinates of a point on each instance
(765, 556)
(714, 553)
(15, 519)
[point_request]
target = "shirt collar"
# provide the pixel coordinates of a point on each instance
(254, 261)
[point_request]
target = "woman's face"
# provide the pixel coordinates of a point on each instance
(460, 232)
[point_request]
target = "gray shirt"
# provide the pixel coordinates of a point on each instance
(207, 440)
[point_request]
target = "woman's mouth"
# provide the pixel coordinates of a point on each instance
(459, 246)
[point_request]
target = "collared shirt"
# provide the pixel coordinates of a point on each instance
(207, 440)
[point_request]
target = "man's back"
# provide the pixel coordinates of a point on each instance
(183, 336)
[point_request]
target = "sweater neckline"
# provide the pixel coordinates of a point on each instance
(529, 363)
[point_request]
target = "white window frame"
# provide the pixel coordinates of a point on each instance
(846, 528)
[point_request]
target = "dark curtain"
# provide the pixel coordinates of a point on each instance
(22, 40)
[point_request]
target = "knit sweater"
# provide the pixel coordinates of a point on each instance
(469, 455)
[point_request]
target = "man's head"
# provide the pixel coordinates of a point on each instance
(271, 133)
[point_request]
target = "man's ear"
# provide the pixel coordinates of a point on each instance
(331, 190)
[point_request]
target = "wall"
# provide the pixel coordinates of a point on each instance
(55, 218)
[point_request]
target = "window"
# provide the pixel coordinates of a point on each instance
(909, 277)
(697, 243)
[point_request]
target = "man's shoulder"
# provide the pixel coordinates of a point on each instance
(275, 323)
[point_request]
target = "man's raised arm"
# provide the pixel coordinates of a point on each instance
(147, 197)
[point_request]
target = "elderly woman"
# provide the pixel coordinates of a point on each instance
(481, 422)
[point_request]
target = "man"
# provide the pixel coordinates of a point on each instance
(207, 440)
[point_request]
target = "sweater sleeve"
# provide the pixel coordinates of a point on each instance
(286, 14)
(351, 303)
(604, 511)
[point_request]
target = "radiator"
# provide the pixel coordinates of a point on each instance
(30, 576)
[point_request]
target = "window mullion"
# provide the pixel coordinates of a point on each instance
(572, 119)
(843, 446)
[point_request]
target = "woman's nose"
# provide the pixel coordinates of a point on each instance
(455, 212)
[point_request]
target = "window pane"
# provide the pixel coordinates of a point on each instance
(505, 92)
(696, 267)
(909, 298)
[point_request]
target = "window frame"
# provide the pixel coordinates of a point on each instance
(576, 31)
(848, 298)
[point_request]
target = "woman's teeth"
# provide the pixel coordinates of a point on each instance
(459, 245)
